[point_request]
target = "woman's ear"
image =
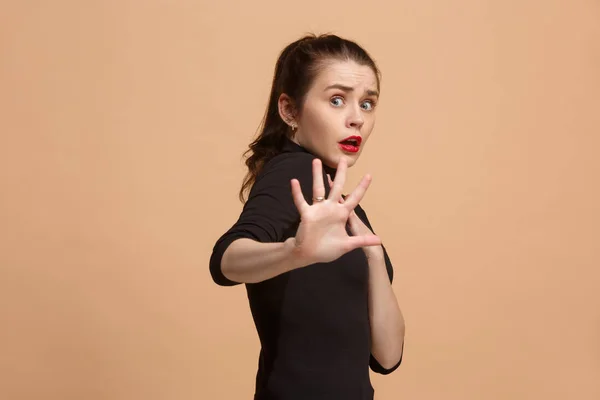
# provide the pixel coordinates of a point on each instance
(287, 110)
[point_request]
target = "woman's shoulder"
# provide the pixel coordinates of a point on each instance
(275, 176)
(287, 166)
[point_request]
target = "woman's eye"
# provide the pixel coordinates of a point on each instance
(337, 101)
(368, 105)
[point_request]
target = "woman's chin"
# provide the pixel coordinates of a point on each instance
(350, 160)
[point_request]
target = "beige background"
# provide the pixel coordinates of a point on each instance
(122, 124)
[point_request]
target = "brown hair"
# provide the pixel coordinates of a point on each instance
(296, 68)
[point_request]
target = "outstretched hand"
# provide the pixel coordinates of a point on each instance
(321, 235)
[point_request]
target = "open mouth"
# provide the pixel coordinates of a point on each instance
(351, 144)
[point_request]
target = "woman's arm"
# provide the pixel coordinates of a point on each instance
(257, 246)
(387, 321)
(248, 261)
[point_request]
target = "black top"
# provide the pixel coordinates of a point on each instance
(313, 322)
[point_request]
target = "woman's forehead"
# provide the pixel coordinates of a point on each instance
(345, 73)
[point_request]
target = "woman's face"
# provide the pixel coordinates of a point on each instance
(339, 105)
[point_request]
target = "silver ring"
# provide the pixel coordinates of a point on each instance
(320, 198)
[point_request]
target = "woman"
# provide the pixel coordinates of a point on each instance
(318, 279)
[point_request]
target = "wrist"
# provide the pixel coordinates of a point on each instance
(374, 253)
(295, 259)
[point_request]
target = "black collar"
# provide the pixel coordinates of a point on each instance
(289, 146)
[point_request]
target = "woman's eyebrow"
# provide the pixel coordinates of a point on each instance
(345, 88)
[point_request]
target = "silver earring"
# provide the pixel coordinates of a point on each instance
(293, 127)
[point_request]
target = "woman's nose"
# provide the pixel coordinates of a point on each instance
(355, 119)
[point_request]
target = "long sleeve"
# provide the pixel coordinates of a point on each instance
(269, 215)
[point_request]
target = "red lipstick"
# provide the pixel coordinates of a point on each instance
(351, 144)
